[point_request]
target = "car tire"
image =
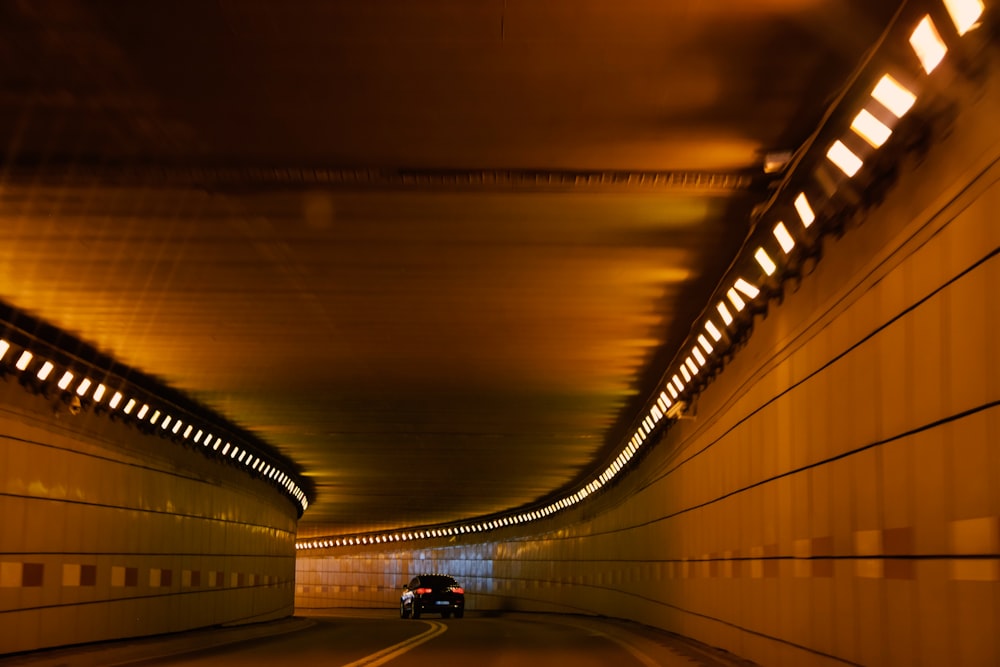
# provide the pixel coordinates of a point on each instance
(403, 613)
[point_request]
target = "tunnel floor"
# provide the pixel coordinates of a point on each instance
(368, 638)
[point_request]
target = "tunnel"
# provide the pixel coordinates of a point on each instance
(299, 303)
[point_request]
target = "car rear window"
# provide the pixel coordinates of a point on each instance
(438, 582)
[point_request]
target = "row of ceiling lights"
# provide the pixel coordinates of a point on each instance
(871, 127)
(81, 387)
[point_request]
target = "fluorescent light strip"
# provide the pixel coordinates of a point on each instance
(870, 128)
(785, 239)
(699, 357)
(893, 96)
(964, 14)
(748, 289)
(65, 380)
(804, 210)
(45, 370)
(685, 372)
(705, 345)
(129, 406)
(724, 312)
(99, 393)
(142, 411)
(844, 158)
(4, 346)
(767, 264)
(84, 387)
(736, 300)
(927, 44)
(23, 361)
(713, 330)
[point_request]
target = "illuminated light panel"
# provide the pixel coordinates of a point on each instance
(84, 387)
(665, 399)
(4, 346)
(129, 406)
(927, 44)
(65, 380)
(197, 436)
(870, 128)
(686, 373)
(724, 312)
(142, 411)
(738, 303)
(225, 450)
(785, 239)
(177, 426)
(673, 390)
(747, 288)
(99, 393)
(236, 450)
(766, 263)
(116, 399)
(964, 13)
(155, 417)
(187, 431)
(166, 422)
(844, 158)
(677, 383)
(713, 330)
(804, 210)
(23, 360)
(218, 441)
(662, 401)
(45, 370)
(893, 96)
(699, 357)
(692, 366)
(705, 345)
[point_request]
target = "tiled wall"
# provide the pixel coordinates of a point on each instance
(835, 500)
(107, 533)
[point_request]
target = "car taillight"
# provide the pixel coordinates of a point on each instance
(458, 589)
(422, 591)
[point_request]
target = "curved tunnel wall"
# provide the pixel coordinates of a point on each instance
(108, 533)
(835, 499)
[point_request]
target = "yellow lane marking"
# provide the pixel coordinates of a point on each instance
(396, 650)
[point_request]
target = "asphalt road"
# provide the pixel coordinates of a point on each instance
(369, 638)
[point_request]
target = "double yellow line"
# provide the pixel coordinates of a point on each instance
(385, 655)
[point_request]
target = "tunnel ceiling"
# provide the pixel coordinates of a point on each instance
(438, 253)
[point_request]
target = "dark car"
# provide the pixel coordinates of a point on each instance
(434, 593)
